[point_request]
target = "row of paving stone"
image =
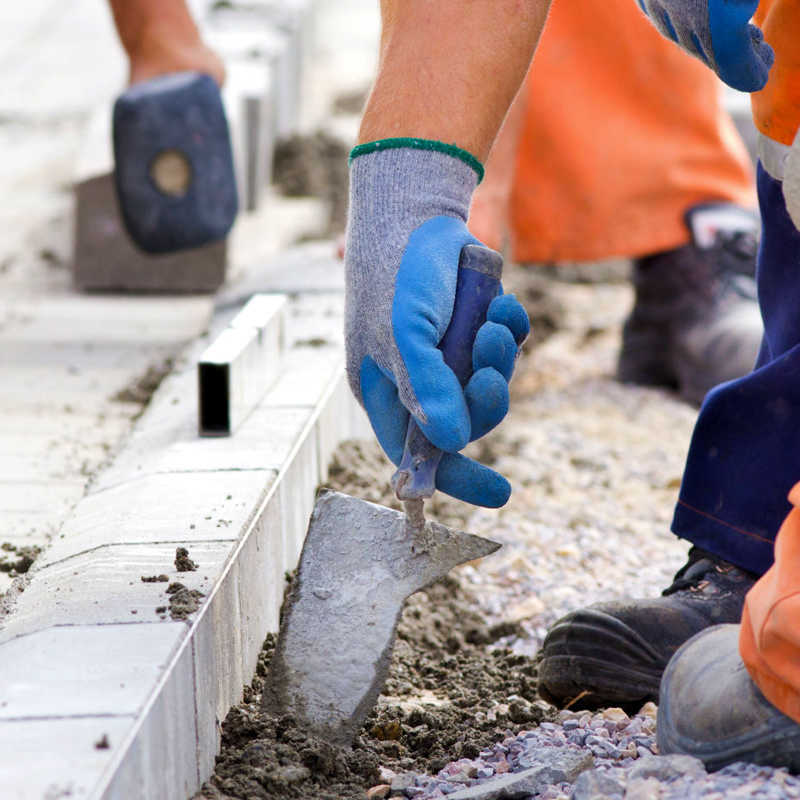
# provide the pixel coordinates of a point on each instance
(93, 667)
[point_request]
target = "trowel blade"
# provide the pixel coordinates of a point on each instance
(360, 561)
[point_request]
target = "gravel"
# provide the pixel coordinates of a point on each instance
(596, 469)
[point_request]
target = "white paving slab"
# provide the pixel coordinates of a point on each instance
(240, 364)
(218, 663)
(240, 505)
(158, 688)
(181, 507)
(263, 442)
(159, 758)
(262, 564)
(297, 483)
(309, 268)
(307, 376)
(84, 671)
(104, 586)
(139, 320)
(55, 758)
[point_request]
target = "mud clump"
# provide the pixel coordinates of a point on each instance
(182, 561)
(183, 601)
(16, 560)
(352, 102)
(314, 165)
(450, 693)
(141, 389)
(154, 578)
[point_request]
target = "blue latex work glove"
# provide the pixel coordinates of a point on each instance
(407, 225)
(719, 33)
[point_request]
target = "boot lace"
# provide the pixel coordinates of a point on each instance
(735, 261)
(695, 570)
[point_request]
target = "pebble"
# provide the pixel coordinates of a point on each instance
(643, 789)
(624, 767)
(667, 768)
(386, 775)
(594, 785)
(400, 783)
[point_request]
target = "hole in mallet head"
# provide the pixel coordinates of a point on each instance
(171, 172)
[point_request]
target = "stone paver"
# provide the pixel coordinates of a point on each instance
(84, 671)
(70, 765)
(73, 371)
(169, 508)
(105, 586)
(240, 364)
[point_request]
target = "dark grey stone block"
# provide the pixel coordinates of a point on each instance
(104, 257)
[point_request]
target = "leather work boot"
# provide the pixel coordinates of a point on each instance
(695, 321)
(711, 709)
(615, 653)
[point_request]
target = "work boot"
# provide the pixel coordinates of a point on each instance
(695, 321)
(615, 653)
(710, 708)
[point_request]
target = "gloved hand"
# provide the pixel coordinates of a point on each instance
(407, 225)
(719, 33)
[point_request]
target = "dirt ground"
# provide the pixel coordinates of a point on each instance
(314, 165)
(446, 678)
(455, 687)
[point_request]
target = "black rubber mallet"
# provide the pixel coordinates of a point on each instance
(174, 172)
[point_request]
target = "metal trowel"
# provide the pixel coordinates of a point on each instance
(360, 561)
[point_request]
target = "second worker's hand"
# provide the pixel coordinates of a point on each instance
(409, 201)
(719, 33)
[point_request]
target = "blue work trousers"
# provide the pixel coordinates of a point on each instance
(745, 451)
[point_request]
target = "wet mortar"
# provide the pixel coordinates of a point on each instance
(183, 563)
(17, 559)
(443, 669)
(182, 601)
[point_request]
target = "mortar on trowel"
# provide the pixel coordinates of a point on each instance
(360, 561)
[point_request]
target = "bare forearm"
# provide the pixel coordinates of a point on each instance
(160, 37)
(137, 19)
(449, 69)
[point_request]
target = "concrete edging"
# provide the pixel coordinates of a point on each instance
(91, 666)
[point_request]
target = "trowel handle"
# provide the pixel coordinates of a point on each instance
(477, 284)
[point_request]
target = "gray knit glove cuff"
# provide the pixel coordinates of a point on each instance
(393, 191)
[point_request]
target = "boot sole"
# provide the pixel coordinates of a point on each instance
(774, 748)
(598, 657)
(776, 744)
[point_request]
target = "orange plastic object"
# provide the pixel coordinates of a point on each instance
(776, 108)
(616, 133)
(769, 639)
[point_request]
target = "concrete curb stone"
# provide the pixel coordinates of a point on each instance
(159, 688)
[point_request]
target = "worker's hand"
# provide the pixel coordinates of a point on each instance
(719, 33)
(406, 228)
